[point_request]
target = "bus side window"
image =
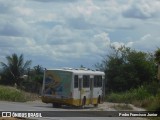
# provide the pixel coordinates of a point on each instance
(86, 81)
(76, 81)
(97, 81)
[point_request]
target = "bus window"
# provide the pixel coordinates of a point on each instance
(85, 81)
(76, 81)
(97, 81)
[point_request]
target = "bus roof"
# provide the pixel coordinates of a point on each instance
(81, 71)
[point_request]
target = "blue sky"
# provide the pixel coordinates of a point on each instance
(70, 33)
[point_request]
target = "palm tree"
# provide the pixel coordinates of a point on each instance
(157, 59)
(15, 67)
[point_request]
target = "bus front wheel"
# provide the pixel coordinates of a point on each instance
(98, 101)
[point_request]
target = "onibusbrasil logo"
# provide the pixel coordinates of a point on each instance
(22, 114)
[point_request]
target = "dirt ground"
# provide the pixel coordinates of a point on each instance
(107, 106)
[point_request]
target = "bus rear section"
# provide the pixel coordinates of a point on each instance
(88, 88)
(56, 87)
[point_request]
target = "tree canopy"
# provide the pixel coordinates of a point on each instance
(157, 56)
(157, 60)
(126, 68)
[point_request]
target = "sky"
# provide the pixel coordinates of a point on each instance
(71, 33)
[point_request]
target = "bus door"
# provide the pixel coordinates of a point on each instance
(86, 89)
(77, 88)
(91, 89)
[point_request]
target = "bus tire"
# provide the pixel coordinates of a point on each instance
(99, 99)
(95, 105)
(56, 105)
(83, 102)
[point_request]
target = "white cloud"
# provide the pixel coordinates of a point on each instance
(147, 43)
(76, 31)
(117, 44)
(23, 11)
(88, 9)
(143, 9)
(101, 40)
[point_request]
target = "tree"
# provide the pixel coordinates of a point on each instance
(38, 69)
(35, 80)
(38, 75)
(15, 67)
(157, 60)
(126, 68)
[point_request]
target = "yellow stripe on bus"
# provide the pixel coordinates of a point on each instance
(70, 101)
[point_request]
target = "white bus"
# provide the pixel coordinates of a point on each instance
(76, 87)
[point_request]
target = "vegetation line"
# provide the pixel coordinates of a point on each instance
(131, 76)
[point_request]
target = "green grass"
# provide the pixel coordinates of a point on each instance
(8, 93)
(129, 96)
(139, 97)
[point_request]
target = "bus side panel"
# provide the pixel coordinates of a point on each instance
(66, 78)
(57, 84)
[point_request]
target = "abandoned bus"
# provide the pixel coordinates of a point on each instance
(76, 87)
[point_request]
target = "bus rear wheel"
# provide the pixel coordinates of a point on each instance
(99, 99)
(56, 105)
(83, 102)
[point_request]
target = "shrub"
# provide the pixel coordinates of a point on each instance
(128, 97)
(139, 94)
(155, 103)
(12, 94)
